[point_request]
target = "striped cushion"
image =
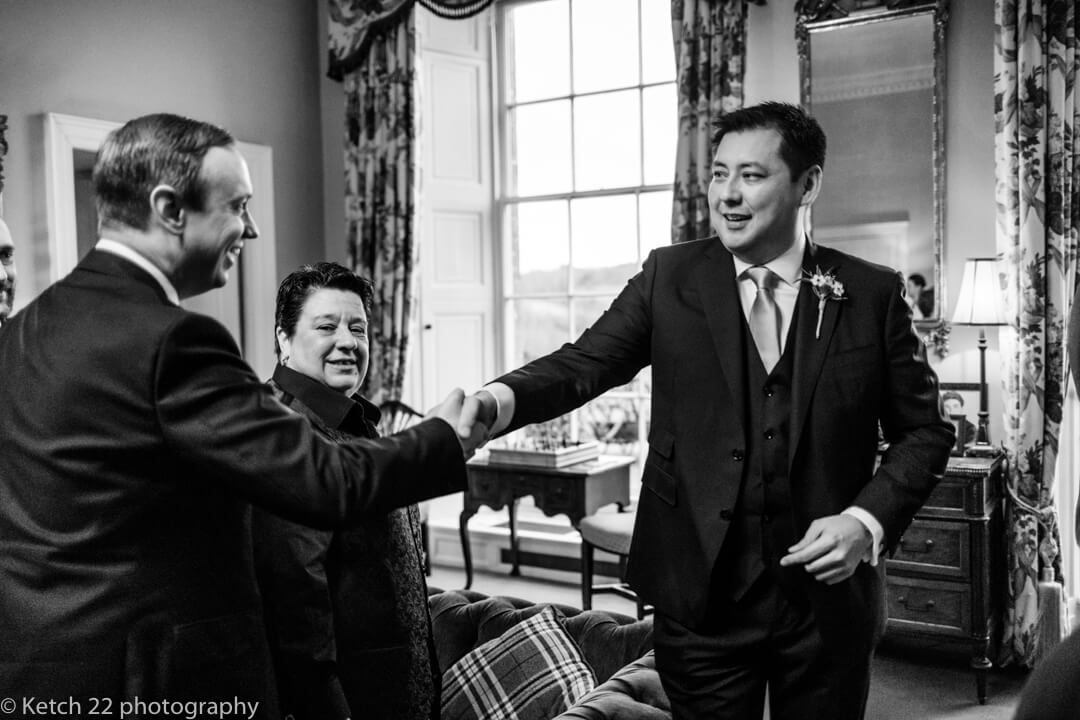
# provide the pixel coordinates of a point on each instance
(533, 671)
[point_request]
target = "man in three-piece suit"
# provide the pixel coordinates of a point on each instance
(135, 438)
(762, 516)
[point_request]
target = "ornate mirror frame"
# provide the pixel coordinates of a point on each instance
(819, 16)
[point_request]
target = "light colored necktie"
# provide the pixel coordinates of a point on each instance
(765, 316)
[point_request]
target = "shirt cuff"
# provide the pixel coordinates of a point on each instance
(504, 406)
(876, 532)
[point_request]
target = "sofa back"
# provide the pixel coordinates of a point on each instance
(463, 619)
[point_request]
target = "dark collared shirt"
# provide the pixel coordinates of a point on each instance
(353, 415)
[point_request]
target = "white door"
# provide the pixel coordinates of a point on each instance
(456, 264)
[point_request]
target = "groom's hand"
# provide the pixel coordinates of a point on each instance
(477, 409)
(831, 549)
(450, 410)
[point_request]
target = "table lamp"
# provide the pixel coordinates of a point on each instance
(981, 304)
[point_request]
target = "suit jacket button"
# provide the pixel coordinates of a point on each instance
(737, 455)
(768, 391)
(726, 514)
(769, 435)
(766, 519)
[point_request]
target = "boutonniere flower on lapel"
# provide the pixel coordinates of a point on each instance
(827, 288)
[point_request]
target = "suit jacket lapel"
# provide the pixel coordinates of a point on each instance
(723, 313)
(810, 346)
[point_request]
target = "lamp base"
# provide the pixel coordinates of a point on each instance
(982, 450)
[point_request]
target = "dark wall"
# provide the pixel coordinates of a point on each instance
(252, 66)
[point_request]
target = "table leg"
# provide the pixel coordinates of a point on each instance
(466, 549)
(586, 575)
(980, 663)
(515, 569)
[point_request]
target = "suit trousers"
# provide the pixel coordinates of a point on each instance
(766, 638)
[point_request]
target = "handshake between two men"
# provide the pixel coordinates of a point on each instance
(472, 417)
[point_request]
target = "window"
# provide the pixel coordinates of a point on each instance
(589, 122)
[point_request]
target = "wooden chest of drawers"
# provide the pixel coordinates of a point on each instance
(946, 576)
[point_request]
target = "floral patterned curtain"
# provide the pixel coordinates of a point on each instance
(710, 50)
(353, 23)
(351, 26)
(1037, 127)
(380, 170)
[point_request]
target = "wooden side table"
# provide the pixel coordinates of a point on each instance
(575, 491)
(945, 579)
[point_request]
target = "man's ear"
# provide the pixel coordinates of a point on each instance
(811, 184)
(167, 210)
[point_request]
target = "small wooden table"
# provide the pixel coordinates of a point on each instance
(576, 491)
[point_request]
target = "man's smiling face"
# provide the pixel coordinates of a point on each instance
(215, 233)
(754, 201)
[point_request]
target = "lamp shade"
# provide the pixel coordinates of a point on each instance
(981, 301)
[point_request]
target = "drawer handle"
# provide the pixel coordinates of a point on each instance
(927, 546)
(927, 606)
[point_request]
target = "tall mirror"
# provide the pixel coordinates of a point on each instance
(872, 73)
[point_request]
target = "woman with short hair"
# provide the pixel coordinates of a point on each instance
(345, 611)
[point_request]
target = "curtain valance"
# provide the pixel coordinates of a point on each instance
(352, 24)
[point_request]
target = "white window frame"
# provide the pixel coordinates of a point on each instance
(507, 293)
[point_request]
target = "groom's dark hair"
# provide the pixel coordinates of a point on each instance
(802, 141)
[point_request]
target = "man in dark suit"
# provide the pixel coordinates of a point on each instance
(135, 438)
(7, 272)
(762, 517)
(920, 297)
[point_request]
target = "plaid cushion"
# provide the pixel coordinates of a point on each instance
(533, 671)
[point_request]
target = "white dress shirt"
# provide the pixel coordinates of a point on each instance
(128, 253)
